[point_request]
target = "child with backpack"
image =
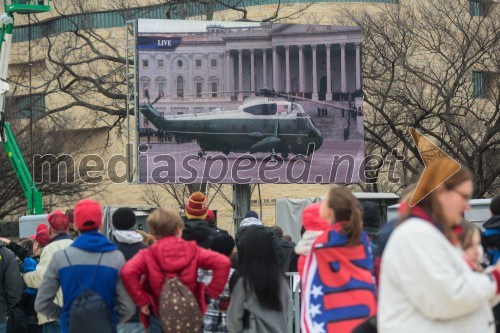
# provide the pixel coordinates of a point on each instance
(169, 272)
(259, 295)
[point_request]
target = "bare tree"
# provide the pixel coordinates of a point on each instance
(435, 67)
(60, 180)
(158, 194)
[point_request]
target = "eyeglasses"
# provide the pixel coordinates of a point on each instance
(465, 196)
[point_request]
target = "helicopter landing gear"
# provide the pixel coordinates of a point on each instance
(301, 156)
(201, 153)
(273, 156)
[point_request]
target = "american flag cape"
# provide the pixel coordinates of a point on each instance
(338, 290)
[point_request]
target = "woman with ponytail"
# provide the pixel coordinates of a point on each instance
(338, 286)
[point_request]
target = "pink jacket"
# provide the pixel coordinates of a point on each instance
(311, 222)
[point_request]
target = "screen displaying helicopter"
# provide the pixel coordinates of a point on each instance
(248, 102)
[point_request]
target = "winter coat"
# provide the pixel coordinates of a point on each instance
(199, 231)
(128, 242)
(261, 320)
(11, 284)
(19, 251)
(427, 286)
(287, 249)
(84, 254)
(490, 238)
(34, 279)
(251, 222)
(172, 256)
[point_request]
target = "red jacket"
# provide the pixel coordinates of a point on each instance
(171, 256)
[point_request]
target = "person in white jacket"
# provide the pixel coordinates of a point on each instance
(58, 229)
(426, 285)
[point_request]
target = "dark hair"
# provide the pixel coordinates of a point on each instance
(346, 208)
(495, 205)
(428, 183)
(27, 244)
(259, 269)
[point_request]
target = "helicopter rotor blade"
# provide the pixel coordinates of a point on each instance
(156, 99)
(264, 92)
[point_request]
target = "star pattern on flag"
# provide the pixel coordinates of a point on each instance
(318, 327)
(317, 291)
(314, 310)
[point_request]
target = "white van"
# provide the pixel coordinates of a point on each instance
(479, 211)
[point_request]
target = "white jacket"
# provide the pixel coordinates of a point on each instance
(34, 279)
(426, 286)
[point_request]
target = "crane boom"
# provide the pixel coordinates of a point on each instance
(33, 196)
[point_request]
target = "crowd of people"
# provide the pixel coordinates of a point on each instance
(428, 273)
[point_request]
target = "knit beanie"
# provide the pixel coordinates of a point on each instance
(252, 213)
(123, 219)
(223, 244)
(87, 215)
(197, 206)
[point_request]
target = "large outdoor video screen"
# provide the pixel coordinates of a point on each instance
(246, 102)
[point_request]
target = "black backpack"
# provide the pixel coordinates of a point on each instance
(88, 311)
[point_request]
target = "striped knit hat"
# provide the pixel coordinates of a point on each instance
(197, 206)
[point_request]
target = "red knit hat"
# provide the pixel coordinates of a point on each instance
(58, 221)
(87, 215)
(197, 206)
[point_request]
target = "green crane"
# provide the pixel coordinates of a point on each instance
(33, 196)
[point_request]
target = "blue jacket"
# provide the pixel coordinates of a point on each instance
(84, 255)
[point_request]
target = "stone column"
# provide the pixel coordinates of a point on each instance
(206, 84)
(315, 74)
(264, 68)
(343, 86)
(287, 69)
(170, 78)
(252, 71)
(227, 74)
(328, 74)
(240, 75)
(275, 70)
(358, 65)
(301, 69)
(232, 75)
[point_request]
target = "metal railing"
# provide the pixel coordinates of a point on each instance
(294, 306)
